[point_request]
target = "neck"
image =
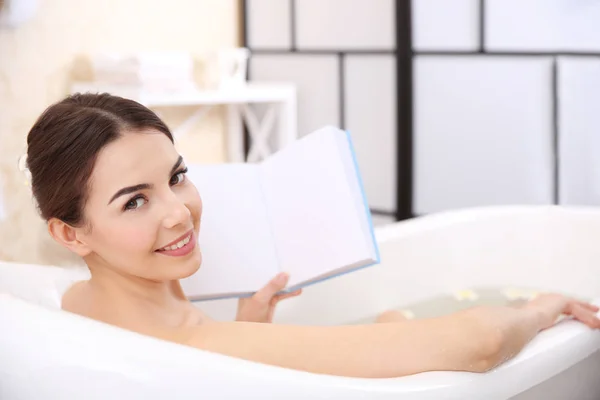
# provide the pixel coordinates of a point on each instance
(134, 301)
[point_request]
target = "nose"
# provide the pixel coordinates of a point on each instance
(176, 212)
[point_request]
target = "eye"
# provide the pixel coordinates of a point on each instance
(135, 203)
(178, 178)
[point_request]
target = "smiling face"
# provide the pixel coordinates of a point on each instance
(142, 214)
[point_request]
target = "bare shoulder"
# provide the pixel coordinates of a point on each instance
(75, 298)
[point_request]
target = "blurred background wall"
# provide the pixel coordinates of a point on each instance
(451, 103)
(39, 59)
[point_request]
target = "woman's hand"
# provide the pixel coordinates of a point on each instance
(551, 306)
(261, 306)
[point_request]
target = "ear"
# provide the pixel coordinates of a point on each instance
(68, 236)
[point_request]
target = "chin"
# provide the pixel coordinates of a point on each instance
(189, 266)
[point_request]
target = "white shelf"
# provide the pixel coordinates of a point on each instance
(280, 120)
(246, 94)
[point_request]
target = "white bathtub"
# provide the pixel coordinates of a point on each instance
(50, 354)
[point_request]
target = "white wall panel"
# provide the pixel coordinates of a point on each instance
(269, 24)
(543, 25)
(579, 127)
(445, 25)
(370, 109)
(317, 81)
(483, 132)
(379, 220)
(345, 24)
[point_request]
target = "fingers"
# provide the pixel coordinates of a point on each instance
(295, 293)
(589, 306)
(585, 315)
(276, 284)
(554, 305)
(573, 303)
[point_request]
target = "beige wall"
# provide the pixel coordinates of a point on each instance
(38, 61)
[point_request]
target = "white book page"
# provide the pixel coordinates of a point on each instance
(238, 254)
(313, 209)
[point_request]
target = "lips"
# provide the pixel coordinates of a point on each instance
(180, 247)
(178, 243)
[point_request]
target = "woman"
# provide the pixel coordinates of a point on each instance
(112, 188)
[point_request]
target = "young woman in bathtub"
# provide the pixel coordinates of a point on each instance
(112, 188)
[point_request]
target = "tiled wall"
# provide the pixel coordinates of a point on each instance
(504, 97)
(579, 128)
(341, 55)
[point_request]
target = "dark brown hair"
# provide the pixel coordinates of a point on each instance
(63, 144)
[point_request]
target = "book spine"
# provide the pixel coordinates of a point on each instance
(363, 192)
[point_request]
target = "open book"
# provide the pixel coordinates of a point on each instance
(302, 210)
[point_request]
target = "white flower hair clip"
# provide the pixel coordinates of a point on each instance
(22, 163)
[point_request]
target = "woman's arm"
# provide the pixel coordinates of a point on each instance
(372, 351)
(537, 315)
(474, 340)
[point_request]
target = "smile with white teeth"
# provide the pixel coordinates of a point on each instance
(177, 245)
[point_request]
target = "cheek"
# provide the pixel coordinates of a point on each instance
(140, 240)
(193, 201)
(131, 236)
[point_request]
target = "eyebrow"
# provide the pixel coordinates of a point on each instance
(142, 186)
(177, 165)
